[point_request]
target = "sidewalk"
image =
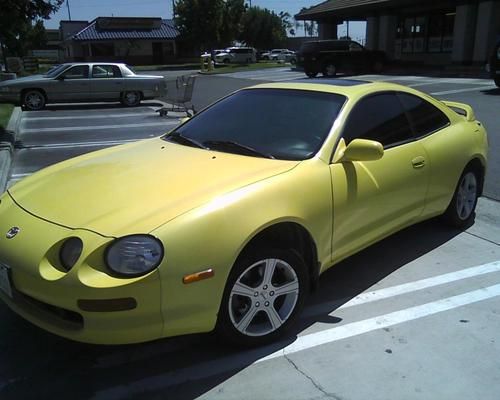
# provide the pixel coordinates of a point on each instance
(7, 139)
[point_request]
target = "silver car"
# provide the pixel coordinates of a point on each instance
(83, 82)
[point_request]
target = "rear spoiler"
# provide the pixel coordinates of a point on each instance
(462, 109)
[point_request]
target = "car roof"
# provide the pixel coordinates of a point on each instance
(351, 88)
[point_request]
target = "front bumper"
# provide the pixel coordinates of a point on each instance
(9, 98)
(51, 298)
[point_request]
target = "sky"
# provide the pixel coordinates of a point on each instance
(90, 9)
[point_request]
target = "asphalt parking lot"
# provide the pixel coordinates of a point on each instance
(416, 316)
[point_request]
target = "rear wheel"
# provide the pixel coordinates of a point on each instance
(461, 211)
(329, 70)
(131, 99)
(497, 82)
(33, 100)
(263, 296)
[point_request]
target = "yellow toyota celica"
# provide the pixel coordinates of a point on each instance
(227, 221)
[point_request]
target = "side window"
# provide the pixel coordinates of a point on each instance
(106, 71)
(78, 72)
(424, 117)
(380, 117)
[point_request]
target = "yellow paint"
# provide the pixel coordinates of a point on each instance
(205, 206)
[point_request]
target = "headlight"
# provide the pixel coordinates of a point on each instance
(70, 252)
(134, 255)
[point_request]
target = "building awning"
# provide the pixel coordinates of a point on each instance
(347, 8)
(119, 28)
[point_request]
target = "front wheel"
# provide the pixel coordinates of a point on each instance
(461, 211)
(263, 296)
(311, 74)
(33, 100)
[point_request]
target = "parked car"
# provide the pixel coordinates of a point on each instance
(82, 82)
(331, 56)
(227, 221)
(286, 56)
(237, 55)
(273, 52)
(493, 66)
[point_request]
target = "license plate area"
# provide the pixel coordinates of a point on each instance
(5, 280)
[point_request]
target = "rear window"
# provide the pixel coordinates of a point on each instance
(424, 117)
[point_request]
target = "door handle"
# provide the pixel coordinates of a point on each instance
(418, 162)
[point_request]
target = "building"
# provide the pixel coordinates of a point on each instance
(439, 32)
(132, 40)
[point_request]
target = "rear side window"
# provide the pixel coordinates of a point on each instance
(380, 117)
(424, 117)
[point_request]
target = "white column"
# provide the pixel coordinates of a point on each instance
(387, 34)
(372, 33)
(463, 33)
(487, 30)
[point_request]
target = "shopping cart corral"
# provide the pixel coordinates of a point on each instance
(178, 97)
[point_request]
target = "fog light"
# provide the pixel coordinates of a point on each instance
(70, 252)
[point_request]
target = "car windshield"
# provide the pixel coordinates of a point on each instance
(276, 123)
(54, 71)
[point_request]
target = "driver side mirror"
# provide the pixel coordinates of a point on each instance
(363, 150)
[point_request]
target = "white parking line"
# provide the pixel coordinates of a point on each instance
(484, 87)
(225, 364)
(82, 144)
(94, 127)
(86, 117)
(385, 293)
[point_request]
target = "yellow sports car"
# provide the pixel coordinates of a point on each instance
(227, 221)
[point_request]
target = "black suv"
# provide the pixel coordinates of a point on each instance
(494, 65)
(332, 56)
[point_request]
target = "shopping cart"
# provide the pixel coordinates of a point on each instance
(181, 99)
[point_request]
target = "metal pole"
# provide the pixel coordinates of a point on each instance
(69, 11)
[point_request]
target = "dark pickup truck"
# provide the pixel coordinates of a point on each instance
(331, 56)
(494, 65)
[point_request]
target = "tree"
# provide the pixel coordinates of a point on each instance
(16, 19)
(262, 28)
(206, 24)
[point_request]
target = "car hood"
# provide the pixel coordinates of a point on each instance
(137, 187)
(24, 79)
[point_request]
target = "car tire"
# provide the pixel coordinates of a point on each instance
(497, 82)
(252, 312)
(311, 74)
(131, 99)
(461, 210)
(293, 61)
(329, 70)
(33, 100)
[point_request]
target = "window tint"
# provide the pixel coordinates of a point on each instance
(381, 118)
(287, 124)
(78, 72)
(424, 117)
(106, 71)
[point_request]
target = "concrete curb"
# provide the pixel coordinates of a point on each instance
(7, 148)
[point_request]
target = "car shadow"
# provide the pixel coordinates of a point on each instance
(36, 364)
(491, 92)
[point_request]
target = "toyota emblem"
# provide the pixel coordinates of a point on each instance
(12, 232)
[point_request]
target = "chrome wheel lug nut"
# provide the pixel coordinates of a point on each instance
(255, 294)
(265, 287)
(266, 304)
(271, 293)
(257, 304)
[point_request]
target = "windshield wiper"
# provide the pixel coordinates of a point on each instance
(179, 138)
(231, 145)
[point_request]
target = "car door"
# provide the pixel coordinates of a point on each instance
(372, 199)
(72, 85)
(107, 82)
